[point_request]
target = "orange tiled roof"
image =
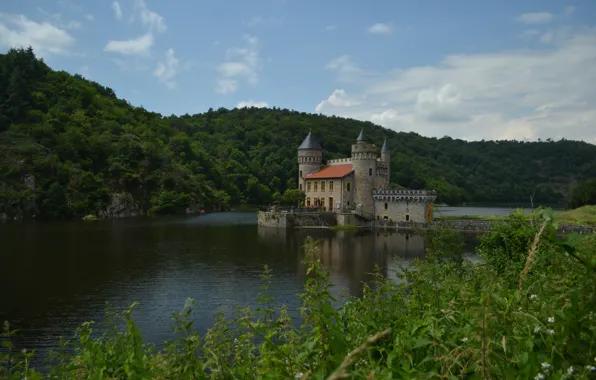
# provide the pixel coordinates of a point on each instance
(333, 171)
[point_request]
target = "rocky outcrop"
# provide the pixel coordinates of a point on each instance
(123, 205)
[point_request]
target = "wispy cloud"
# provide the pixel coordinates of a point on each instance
(117, 10)
(250, 103)
(166, 70)
(535, 18)
(380, 28)
(242, 63)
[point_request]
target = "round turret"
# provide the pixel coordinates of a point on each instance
(310, 158)
(386, 158)
(364, 163)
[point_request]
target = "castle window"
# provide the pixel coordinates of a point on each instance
(369, 171)
(316, 186)
(330, 185)
(300, 173)
(307, 202)
(308, 186)
(300, 187)
(322, 185)
(386, 205)
(347, 186)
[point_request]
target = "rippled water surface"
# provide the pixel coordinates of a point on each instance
(54, 276)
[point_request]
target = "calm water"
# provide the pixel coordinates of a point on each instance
(54, 276)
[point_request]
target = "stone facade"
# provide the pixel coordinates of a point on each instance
(404, 205)
(359, 184)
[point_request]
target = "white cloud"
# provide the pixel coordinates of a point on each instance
(380, 29)
(137, 46)
(521, 94)
(90, 17)
(58, 18)
(330, 28)
(338, 98)
(166, 70)
(45, 38)
(117, 10)
(241, 64)
(535, 18)
(251, 103)
(152, 20)
(226, 86)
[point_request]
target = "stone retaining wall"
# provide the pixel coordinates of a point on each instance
(296, 219)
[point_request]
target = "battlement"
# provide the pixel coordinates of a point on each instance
(339, 161)
(381, 164)
(401, 195)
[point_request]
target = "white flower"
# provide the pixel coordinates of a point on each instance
(299, 375)
(536, 329)
(591, 368)
(464, 339)
(551, 320)
(534, 297)
(539, 377)
(570, 371)
(519, 309)
(545, 365)
(551, 332)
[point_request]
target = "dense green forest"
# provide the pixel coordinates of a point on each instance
(69, 147)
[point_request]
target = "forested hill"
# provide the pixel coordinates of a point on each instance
(68, 145)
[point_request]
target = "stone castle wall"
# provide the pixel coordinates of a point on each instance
(364, 160)
(295, 220)
(401, 211)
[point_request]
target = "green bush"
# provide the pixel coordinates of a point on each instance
(445, 318)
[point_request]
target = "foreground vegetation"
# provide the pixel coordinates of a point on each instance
(69, 147)
(527, 311)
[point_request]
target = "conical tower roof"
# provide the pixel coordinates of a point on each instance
(362, 137)
(385, 148)
(310, 142)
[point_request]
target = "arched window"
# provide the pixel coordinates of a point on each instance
(386, 205)
(369, 171)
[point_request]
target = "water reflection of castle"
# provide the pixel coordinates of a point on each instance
(350, 257)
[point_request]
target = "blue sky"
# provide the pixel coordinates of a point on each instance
(467, 69)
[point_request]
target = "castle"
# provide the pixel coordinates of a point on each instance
(359, 184)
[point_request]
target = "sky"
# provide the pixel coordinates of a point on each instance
(504, 69)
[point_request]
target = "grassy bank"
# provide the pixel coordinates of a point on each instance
(582, 216)
(527, 312)
(585, 216)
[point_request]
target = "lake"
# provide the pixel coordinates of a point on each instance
(54, 276)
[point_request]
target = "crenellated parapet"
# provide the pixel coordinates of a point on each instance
(339, 161)
(404, 195)
(310, 160)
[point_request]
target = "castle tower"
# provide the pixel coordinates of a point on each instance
(364, 163)
(386, 157)
(310, 158)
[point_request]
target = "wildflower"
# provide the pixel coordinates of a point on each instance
(539, 377)
(534, 297)
(591, 368)
(299, 375)
(536, 329)
(545, 365)
(551, 332)
(551, 320)
(570, 371)
(465, 339)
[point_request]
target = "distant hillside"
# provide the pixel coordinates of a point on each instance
(69, 147)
